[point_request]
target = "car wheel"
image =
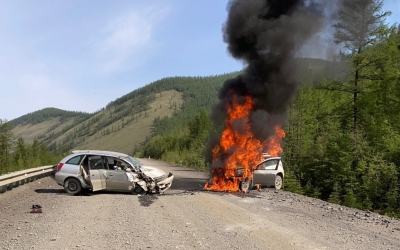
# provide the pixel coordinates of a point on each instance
(72, 186)
(138, 190)
(245, 185)
(278, 182)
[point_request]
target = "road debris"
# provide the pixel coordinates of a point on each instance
(36, 208)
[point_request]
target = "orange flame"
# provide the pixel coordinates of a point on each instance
(244, 150)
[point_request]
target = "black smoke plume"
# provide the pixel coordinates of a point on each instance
(266, 36)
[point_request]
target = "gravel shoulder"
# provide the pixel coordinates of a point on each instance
(186, 217)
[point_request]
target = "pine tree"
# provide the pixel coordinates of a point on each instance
(360, 24)
(5, 145)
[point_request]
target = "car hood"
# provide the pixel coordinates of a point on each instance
(152, 171)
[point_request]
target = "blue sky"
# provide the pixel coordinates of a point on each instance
(81, 55)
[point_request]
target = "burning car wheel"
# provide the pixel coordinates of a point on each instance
(278, 182)
(72, 186)
(245, 185)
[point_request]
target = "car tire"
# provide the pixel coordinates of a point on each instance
(278, 182)
(245, 185)
(138, 190)
(72, 186)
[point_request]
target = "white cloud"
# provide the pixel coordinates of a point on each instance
(129, 34)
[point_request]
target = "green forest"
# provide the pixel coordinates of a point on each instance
(17, 155)
(342, 139)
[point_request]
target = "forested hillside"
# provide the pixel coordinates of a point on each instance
(48, 120)
(46, 114)
(131, 119)
(124, 123)
(16, 154)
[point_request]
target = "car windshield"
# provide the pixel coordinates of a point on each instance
(135, 162)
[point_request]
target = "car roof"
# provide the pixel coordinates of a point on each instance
(100, 152)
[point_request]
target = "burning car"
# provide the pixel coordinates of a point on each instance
(253, 106)
(268, 173)
(111, 171)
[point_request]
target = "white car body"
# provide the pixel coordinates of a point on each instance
(103, 170)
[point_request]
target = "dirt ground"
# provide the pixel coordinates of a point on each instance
(185, 217)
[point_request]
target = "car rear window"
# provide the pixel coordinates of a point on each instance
(75, 160)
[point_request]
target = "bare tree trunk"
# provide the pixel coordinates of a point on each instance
(355, 109)
(355, 121)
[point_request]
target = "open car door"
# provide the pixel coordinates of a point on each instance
(117, 180)
(97, 173)
(266, 172)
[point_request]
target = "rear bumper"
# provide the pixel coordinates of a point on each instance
(59, 179)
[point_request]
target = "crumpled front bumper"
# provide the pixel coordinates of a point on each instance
(166, 183)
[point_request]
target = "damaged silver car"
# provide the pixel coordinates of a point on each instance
(111, 171)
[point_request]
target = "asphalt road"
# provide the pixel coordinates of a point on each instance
(185, 217)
